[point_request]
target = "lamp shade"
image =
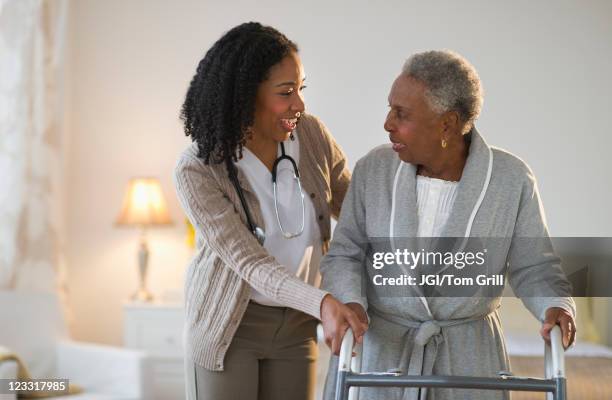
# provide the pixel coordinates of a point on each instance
(144, 204)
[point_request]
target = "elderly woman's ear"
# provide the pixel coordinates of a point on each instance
(452, 123)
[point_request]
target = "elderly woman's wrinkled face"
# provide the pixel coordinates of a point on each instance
(414, 129)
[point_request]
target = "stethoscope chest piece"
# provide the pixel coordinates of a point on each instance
(260, 235)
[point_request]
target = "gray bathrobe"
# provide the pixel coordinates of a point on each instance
(420, 333)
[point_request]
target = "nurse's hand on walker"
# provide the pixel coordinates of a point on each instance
(559, 316)
(336, 318)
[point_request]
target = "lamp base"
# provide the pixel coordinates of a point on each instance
(142, 295)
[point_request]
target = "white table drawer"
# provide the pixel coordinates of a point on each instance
(158, 331)
(165, 379)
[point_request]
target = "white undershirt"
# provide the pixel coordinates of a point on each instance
(435, 199)
(301, 255)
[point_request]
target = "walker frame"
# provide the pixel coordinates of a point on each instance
(554, 384)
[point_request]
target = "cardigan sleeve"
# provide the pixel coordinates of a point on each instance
(534, 270)
(343, 267)
(213, 215)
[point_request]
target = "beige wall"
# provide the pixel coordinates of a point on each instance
(545, 67)
(128, 76)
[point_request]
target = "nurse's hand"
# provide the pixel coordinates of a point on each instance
(559, 316)
(336, 318)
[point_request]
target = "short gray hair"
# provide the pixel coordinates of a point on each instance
(452, 83)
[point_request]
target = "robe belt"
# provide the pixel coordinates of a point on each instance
(426, 344)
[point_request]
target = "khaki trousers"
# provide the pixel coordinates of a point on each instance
(272, 357)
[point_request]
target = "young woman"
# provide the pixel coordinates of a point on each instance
(259, 184)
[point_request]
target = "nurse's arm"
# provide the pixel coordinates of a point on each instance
(214, 217)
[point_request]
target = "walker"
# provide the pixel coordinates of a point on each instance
(349, 381)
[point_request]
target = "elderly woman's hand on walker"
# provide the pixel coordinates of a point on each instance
(336, 318)
(559, 316)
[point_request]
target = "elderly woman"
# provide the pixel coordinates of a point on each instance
(440, 179)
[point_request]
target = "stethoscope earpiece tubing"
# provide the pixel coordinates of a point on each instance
(282, 157)
(234, 178)
(256, 230)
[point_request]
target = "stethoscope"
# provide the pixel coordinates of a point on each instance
(256, 230)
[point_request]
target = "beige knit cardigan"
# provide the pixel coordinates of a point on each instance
(229, 260)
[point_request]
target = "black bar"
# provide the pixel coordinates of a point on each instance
(560, 392)
(341, 385)
(458, 382)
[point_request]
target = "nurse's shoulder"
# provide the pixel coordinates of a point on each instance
(313, 132)
(191, 168)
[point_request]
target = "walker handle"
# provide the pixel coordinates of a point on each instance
(554, 355)
(347, 364)
(346, 351)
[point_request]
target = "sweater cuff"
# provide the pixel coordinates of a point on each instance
(304, 297)
(348, 297)
(565, 303)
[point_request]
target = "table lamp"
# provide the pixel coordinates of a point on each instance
(143, 206)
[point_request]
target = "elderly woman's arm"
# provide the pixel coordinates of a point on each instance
(534, 271)
(342, 267)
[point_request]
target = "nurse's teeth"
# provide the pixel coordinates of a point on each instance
(289, 123)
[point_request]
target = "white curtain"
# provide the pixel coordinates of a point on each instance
(32, 144)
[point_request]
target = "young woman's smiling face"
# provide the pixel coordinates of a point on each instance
(279, 101)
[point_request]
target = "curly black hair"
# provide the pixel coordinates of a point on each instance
(220, 101)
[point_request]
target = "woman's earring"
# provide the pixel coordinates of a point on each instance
(444, 143)
(291, 136)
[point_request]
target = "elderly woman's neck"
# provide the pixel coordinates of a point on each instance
(448, 165)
